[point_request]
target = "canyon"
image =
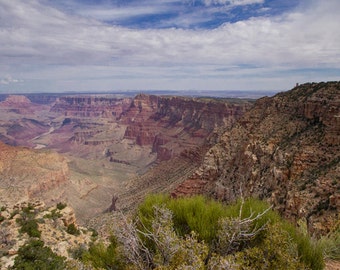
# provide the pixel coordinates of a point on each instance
(109, 151)
(103, 146)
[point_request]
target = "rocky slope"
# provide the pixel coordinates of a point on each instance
(26, 174)
(286, 149)
(21, 120)
(53, 223)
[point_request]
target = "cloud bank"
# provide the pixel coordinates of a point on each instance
(56, 49)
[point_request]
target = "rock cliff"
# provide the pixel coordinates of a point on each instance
(172, 124)
(18, 104)
(91, 106)
(286, 149)
(26, 174)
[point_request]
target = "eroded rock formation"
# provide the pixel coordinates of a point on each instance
(172, 124)
(26, 174)
(91, 106)
(286, 149)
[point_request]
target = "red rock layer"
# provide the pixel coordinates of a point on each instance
(172, 124)
(286, 149)
(91, 106)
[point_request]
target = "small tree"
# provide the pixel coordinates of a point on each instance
(101, 256)
(34, 255)
(72, 229)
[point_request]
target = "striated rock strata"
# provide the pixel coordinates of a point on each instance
(286, 149)
(91, 106)
(27, 174)
(172, 124)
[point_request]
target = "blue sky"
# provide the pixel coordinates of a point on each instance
(112, 45)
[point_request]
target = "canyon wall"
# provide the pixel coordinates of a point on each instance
(286, 149)
(172, 124)
(167, 124)
(91, 106)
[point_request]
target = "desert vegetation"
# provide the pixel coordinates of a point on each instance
(166, 233)
(199, 233)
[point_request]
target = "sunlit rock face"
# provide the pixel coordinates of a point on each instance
(286, 149)
(27, 174)
(91, 106)
(172, 124)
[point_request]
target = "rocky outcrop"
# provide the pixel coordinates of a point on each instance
(52, 223)
(15, 99)
(18, 104)
(91, 106)
(26, 174)
(20, 121)
(286, 149)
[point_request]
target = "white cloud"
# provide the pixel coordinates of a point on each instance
(113, 13)
(56, 50)
(233, 2)
(8, 80)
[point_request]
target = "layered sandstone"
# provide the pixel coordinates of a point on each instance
(172, 124)
(286, 149)
(19, 104)
(91, 106)
(21, 120)
(26, 174)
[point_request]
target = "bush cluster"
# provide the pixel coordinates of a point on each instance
(34, 255)
(198, 233)
(72, 229)
(237, 233)
(28, 222)
(187, 233)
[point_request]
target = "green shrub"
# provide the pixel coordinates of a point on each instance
(330, 244)
(266, 234)
(101, 256)
(276, 251)
(309, 250)
(189, 214)
(54, 214)
(61, 205)
(30, 227)
(201, 215)
(72, 229)
(34, 255)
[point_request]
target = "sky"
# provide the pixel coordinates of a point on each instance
(119, 45)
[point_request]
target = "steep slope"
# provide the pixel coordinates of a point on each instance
(172, 124)
(52, 224)
(26, 174)
(286, 149)
(21, 120)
